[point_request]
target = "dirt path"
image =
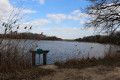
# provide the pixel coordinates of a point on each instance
(93, 73)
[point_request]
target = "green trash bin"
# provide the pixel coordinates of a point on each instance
(39, 51)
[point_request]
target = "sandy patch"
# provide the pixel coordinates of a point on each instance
(49, 67)
(93, 73)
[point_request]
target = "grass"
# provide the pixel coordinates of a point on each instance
(107, 60)
(13, 57)
(15, 65)
(15, 62)
(31, 73)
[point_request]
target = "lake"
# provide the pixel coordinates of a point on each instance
(63, 50)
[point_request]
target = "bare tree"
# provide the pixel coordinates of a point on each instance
(105, 15)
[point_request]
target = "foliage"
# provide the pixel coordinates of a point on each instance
(114, 39)
(33, 36)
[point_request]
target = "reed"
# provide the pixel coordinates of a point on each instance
(109, 59)
(14, 54)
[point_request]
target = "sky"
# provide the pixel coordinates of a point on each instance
(62, 18)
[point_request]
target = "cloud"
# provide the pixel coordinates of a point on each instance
(65, 32)
(38, 22)
(57, 17)
(75, 18)
(83, 15)
(42, 1)
(28, 11)
(6, 8)
(75, 12)
(82, 21)
(75, 15)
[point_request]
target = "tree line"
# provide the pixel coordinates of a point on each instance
(112, 38)
(33, 36)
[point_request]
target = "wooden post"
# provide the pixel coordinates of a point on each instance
(44, 56)
(44, 59)
(33, 59)
(0, 59)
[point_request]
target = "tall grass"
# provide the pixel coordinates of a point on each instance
(15, 56)
(109, 59)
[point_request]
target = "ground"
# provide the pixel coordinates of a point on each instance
(91, 73)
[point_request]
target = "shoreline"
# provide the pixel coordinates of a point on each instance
(51, 40)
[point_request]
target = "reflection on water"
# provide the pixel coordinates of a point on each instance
(62, 51)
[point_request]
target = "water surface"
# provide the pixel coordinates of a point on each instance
(62, 50)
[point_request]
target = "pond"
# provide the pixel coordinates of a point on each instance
(63, 50)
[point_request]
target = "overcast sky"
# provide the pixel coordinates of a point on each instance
(62, 18)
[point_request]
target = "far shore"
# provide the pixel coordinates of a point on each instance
(41, 40)
(49, 40)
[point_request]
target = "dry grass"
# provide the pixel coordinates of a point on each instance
(28, 74)
(107, 60)
(15, 59)
(15, 56)
(16, 62)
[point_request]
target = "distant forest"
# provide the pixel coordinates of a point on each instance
(33, 36)
(112, 38)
